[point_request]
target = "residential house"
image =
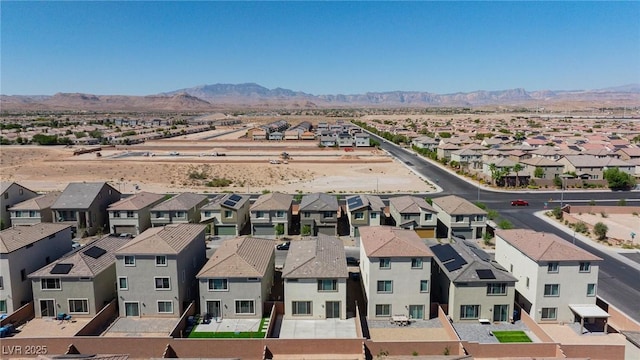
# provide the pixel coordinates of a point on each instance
(459, 217)
(364, 210)
(362, 139)
(10, 195)
(556, 279)
(183, 208)
(621, 165)
(237, 279)
(425, 142)
(228, 214)
(345, 139)
(83, 206)
(474, 287)
(395, 267)
(319, 214)
(315, 279)
(35, 210)
(444, 150)
(157, 270)
(467, 158)
(629, 153)
(132, 215)
(276, 135)
(549, 169)
(23, 250)
(414, 213)
(584, 166)
(80, 283)
(270, 214)
(328, 140)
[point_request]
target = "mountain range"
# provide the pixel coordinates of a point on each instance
(251, 95)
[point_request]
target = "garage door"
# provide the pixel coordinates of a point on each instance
(225, 230)
(125, 230)
(467, 233)
(426, 233)
(263, 230)
(327, 230)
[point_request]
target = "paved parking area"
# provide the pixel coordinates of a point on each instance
(230, 325)
(482, 333)
(141, 327)
(315, 329)
(48, 327)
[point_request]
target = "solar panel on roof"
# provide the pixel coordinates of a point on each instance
(230, 203)
(354, 202)
(455, 264)
(61, 269)
(485, 274)
(95, 252)
(444, 252)
(481, 254)
(235, 197)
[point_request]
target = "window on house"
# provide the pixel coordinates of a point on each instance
(129, 260)
(327, 285)
(3, 306)
(549, 313)
(123, 283)
(259, 214)
(383, 310)
(358, 215)
(180, 214)
(552, 267)
(469, 311)
(245, 307)
(116, 214)
(162, 283)
(416, 263)
(307, 214)
(479, 217)
(374, 215)
(428, 217)
(78, 306)
(424, 286)
(161, 260)
(327, 214)
(130, 214)
(159, 215)
(511, 268)
(33, 214)
(218, 285)
(497, 289)
(551, 290)
(50, 284)
(385, 286)
(459, 218)
(585, 267)
(228, 214)
(280, 213)
(301, 307)
(527, 282)
(207, 214)
(406, 216)
(165, 307)
(385, 263)
(1, 283)
(591, 289)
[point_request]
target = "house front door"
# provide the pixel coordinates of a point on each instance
(214, 308)
(47, 308)
(500, 312)
(332, 309)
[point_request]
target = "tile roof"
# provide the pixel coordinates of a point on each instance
(585, 161)
(183, 201)
(16, 237)
(319, 202)
(541, 161)
(170, 239)
(136, 202)
(455, 205)
(410, 204)
(80, 195)
(273, 201)
(83, 264)
(476, 259)
(632, 152)
(219, 201)
(370, 201)
(38, 203)
(387, 241)
(4, 185)
(540, 246)
(240, 257)
(322, 257)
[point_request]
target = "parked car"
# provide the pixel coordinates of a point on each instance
(519, 202)
(283, 246)
(351, 261)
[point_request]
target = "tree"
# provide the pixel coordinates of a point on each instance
(538, 172)
(279, 229)
(505, 224)
(306, 230)
(618, 180)
(495, 174)
(557, 212)
(600, 229)
(517, 168)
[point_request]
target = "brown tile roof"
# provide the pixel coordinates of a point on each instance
(170, 239)
(37, 203)
(410, 204)
(136, 202)
(240, 257)
(323, 257)
(455, 205)
(16, 237)
(541, 161)
(387, 241)
(83, 264)
(540, 246)
(183, 201)
(273, 201)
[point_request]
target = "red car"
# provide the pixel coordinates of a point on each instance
(519, 203)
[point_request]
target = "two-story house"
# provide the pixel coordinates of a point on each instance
(364, 210)
(24, 249)
(183, 208)
(362, 139)
(11, 194)
(395, 267)
(157, 270)
(34, 210)
(270, 214)
(319, 214)
(315, 279)
(80, 283)
(474, 287)
(83, 206)
(556, 279)
(549, 169)
(584, 166)
(459, 217)
(228, 214)
(132, 215)
(414, 213)
(237, 279)
(467, 158)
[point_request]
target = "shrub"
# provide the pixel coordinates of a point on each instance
(600, 230)
(306, 230)
(557, 212)
(492, 214)
(581, 227)
(505, 224)
(622, 202)
(604, 214)
(592, 202)
(197, 175)
(219, 182)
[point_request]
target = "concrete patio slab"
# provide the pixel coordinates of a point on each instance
(49, 327)
(230, 325)
(141, 327)
(318, 329)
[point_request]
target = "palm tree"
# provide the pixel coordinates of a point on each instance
(517, 168)
(494, 172)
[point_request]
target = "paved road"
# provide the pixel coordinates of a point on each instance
(618, 283)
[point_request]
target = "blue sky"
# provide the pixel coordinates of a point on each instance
(140, 48)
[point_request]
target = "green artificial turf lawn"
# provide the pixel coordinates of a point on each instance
(229, 334)
(511, 336)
